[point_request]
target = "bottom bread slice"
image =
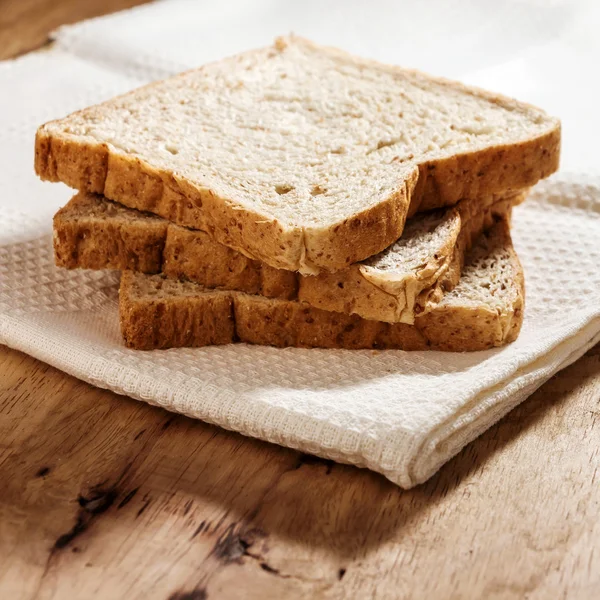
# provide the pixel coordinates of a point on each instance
(483, 311)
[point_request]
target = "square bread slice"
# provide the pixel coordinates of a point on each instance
(393, 286)
(301, 156)
(483, 311)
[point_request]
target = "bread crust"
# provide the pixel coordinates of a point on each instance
(152, 324)
(362, 291)
(195, 256)
(102, 242)
(170, 321)
(93, 167)
(495, 170)
(151, 245)
(103, 169)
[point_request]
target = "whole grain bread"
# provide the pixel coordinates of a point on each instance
(92, 233)
(403, 280)
(301, 156)
(411, 275)
(483, 311)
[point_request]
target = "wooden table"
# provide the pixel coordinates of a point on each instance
(105, 497)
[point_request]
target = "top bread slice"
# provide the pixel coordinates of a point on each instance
(395, 285)
(298, 155)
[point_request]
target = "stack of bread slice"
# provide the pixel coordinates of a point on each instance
(299, 196)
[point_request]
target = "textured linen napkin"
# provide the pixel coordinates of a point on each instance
(401, 414)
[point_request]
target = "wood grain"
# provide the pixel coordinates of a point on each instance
(106, 497)
(25, 24)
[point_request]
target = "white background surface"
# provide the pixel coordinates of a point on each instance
(400, 414)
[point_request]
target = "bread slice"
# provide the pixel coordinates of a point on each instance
(415, 271)
(301, 156)
(93, 233)
(483, 311)
(392, 286)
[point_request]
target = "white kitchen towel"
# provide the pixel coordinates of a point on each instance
(401, 414)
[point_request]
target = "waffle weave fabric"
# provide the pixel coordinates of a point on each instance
(401, 414)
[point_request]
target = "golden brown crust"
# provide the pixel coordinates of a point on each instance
(175, 321)
(90, 167)
(495, 170)
(171, 320)
(133, 183)
(130, 181)
(172, 323)
(193, 255)
(81, 166)
(364, 234)
(105, 243)
(283, 323)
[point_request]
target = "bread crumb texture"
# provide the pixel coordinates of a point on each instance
(302, 156)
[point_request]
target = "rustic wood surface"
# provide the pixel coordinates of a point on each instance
(105, 497)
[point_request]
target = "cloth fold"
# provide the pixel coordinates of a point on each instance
(401, 414)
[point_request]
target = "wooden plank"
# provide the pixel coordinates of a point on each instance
(25, 24)
(105, 497)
